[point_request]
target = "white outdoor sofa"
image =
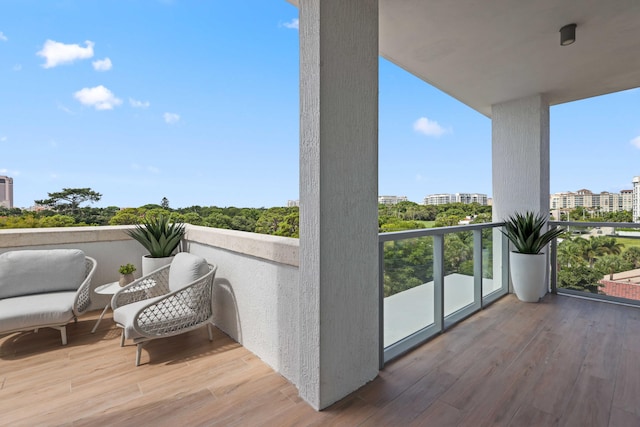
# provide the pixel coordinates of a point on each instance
(43, 289)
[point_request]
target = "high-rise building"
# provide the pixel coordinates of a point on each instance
(636, 198)
(6, 192)
(594, 202)
(293, 203)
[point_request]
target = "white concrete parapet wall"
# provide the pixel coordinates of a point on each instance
(255, 292)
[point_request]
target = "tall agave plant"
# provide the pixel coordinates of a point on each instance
(525, 232)
(159, 236)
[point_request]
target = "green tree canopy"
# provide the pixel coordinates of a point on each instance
(69, 200)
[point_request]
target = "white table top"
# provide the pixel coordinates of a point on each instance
(108, 289)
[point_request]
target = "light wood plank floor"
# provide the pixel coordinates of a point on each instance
(565, 362)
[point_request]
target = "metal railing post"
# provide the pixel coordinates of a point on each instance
(438, 281)
(477, 268)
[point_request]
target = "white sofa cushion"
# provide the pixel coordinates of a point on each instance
(24, 312)
(186, 268)
(40, 271)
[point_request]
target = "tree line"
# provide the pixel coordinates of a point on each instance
(583, 262)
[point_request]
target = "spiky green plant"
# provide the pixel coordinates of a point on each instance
(159, 236)
(525, 232)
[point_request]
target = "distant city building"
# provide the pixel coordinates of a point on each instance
(391, 200)
(6, 192)
(466, 198)
(293, 203)
(636, 199)
(594, 202)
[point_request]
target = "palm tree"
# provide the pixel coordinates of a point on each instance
(632, 256)
(611, 245)
(610, 264)
(569, 253)
(591, 249)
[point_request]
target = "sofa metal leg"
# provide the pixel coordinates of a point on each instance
(63, 334)
(122, 338)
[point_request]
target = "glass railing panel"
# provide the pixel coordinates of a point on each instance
(458, 271)
(490, 237)
(600, 260)
(408, 287)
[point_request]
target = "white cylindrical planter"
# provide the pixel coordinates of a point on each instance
(152, 264)
(528, 275)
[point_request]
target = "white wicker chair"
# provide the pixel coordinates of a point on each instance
(169, 301)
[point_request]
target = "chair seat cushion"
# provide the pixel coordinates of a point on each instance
(169, 319)
(125, 315)
(32, 311)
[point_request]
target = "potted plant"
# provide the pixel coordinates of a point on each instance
(528, 264)
(160, 237)
(126, 274)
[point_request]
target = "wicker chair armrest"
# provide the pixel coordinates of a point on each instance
(151, 285)
(178, 311)
(83, 294)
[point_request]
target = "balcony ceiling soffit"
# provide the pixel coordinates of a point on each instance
(483, 53)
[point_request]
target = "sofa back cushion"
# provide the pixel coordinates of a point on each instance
(185, 268)
(40, 271)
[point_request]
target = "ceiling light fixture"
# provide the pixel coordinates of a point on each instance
(568, 34)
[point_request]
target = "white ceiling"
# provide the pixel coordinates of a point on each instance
(484, 52)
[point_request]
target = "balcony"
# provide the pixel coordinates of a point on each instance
(565, 361)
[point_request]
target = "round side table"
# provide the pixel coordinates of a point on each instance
(108, 289)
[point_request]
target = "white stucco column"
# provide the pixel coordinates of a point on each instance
(338, 198)
(520, 162)
(520, 156)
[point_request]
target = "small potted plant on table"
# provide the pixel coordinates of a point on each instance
(126, 274)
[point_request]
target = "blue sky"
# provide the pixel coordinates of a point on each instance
(197, 101)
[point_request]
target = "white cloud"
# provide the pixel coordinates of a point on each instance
(294, 24)
(138, 104)
(99, 97)
(57, 53)
(636, 142)
(3, 138)
(171, 118)
(153, 169)
(428, 127)
(17, 67)
(3, 37)
(102, 64)
(8, 172)
(65, 109)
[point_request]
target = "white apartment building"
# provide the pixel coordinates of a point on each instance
(293, 203)
(6, 192)
(391, 200)
(466, 198)
(595, 202)
(636, 199)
